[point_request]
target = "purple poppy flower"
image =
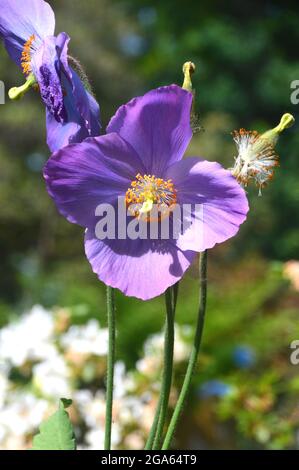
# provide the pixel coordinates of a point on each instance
(27, 29)
(140, 160)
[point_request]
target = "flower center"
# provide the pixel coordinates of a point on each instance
(148, 191)
(26, 55)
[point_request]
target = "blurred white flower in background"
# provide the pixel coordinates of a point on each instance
(87, 339)
(121, 380)
(95, 438)
(4, 385)
(134, 441)
(54, 360)
(183, 335)
(52, 378)
(28, 339)
(92, 407)
(152, 361)
(23, 413)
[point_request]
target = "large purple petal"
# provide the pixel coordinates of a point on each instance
(21, 19)
(157, 125)
(223, 202)
(82, 176)
(139, 268)
(61, 134)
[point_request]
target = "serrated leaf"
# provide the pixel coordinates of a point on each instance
(56, 433)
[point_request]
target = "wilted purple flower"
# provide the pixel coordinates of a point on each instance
(140, 159)
(27, 29)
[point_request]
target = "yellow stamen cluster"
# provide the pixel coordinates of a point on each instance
(26, 55)
(147, 191)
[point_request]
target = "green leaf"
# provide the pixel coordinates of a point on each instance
(56, 433)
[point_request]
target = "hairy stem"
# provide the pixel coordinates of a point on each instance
(156, 431)
(194, 353)
(110, 366)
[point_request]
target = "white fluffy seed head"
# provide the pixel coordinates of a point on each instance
(256, 159)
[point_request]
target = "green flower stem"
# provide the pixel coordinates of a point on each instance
(168, 365)
(153, 431)
(110, 366)
(156, 431)
(175, 293)
(194, 353)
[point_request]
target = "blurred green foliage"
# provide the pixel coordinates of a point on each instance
(246, 57)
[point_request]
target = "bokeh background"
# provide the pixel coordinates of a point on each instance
(245, 392)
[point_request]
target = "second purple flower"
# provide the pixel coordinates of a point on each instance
(27, 30)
